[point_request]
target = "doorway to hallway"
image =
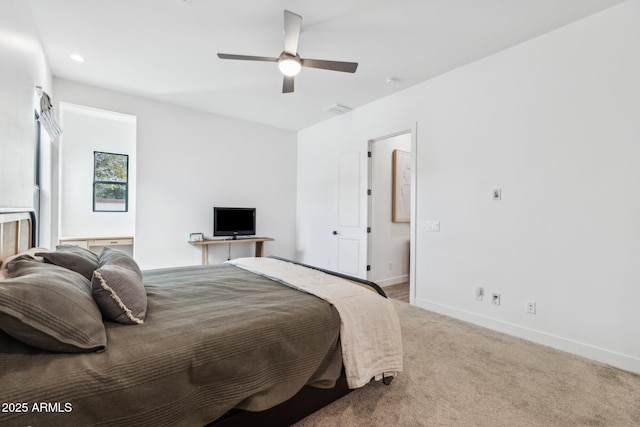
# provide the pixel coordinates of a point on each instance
(389, 209)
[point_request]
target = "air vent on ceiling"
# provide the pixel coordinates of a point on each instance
(338, 109)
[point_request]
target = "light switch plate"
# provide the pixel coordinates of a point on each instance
(433, 226)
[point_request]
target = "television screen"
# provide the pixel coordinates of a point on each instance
(234, 221)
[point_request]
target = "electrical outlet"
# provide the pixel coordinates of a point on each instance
(531, 307)
(390, 266)
(479, 293)
(495, 299)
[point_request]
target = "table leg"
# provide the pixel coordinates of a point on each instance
(259, 249)
(205, 254)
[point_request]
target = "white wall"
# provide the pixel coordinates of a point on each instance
(389, 241)
(189, 161)
(554, 123)
(22, 67)
(88, 130)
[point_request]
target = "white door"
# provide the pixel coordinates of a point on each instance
(350, 233)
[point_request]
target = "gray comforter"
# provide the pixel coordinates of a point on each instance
(215, 337)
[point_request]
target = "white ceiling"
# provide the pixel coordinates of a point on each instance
(166, 49)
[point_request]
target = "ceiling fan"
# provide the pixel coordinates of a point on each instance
(289, 61)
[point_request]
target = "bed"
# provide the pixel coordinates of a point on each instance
(218, 345)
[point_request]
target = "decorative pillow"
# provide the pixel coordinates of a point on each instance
(115, 256)
(117, 288)
(74, 258)
(91, 256)
(51, 308)
(28, 254)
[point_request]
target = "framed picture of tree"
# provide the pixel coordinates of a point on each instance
(110, 182)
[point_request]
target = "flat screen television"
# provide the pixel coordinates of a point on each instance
(234, 222)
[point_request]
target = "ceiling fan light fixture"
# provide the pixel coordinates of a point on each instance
(289, 65)
(289, 62)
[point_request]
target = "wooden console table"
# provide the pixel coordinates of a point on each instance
(205, 245)
(93, 243)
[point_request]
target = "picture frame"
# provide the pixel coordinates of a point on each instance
(196, 237)
(401, 186)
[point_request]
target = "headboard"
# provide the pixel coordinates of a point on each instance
(16, 232)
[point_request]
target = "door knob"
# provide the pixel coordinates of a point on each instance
(335, 233)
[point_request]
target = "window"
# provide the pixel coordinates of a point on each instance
(110, 182)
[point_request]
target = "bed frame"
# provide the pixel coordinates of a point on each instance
(305, 402)
(17, 234)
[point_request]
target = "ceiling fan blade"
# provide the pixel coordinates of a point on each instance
(347, 67)
(292, 24)
(287, 84)
(247, 57)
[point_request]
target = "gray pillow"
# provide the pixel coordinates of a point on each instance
(115, 256)
(117, 288)
(51, 308)
(70, 261)
(74, 258)
(86, 253)
(28, 254)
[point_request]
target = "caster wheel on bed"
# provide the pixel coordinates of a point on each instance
(387, 380)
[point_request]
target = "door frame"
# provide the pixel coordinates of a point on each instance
(411, 129)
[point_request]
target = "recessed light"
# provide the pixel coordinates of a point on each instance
(77, 58)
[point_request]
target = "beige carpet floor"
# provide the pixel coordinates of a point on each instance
(459, 374)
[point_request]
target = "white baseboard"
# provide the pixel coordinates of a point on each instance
(621, 361)
(392, 280)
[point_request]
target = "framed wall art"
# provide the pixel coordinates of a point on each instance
(401, 186)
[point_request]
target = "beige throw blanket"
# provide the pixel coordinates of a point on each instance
(369, 329)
